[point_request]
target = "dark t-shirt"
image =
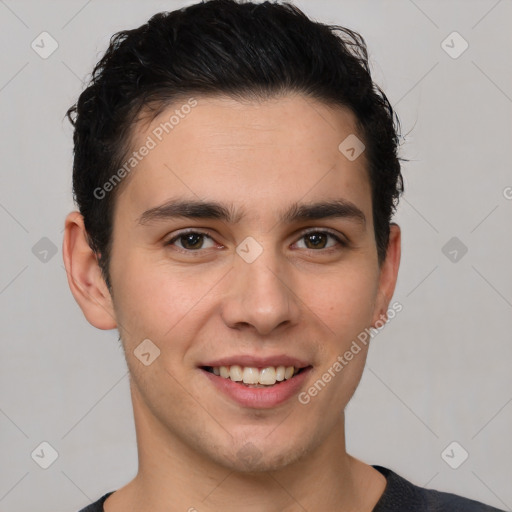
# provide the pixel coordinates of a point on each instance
(399, 495)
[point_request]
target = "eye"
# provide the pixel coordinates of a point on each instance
(194, 241)
(317, 240)
(191, 240)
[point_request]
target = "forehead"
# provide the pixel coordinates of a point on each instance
(259, 154)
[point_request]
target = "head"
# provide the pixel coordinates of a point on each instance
(247, 107)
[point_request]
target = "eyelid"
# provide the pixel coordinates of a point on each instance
(186, 232)
(336, 234)
(340, 238)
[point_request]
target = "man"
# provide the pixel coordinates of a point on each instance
(236, 171)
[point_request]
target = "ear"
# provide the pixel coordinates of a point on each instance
(84, 275)
(388, 275)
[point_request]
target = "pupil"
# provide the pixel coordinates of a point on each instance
(191, 237)
(317, 237)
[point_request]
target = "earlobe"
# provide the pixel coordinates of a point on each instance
(388, 275)
(84, 275)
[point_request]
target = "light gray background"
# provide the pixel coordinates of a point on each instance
(439, 372)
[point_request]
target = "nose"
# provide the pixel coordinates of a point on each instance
(260, 295)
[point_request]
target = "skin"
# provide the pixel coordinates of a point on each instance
(296, 298)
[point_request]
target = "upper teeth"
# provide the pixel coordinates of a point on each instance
(250, 375)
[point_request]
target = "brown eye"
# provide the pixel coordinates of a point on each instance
(317, 240)
(190, 241)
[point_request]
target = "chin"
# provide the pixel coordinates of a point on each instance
(260, 457)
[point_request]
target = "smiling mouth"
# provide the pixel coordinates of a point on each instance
(255, 377)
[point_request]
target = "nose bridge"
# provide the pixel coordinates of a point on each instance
(259, 293)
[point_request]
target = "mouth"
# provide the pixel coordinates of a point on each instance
(253, 377)
(257, 381)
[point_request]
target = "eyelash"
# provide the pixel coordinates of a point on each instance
(341, 242)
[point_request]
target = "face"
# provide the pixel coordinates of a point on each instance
(261, 277)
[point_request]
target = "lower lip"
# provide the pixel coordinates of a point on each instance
(259, 398)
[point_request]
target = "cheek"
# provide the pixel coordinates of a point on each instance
(345, 306)
(151, 297)
(345, 301)
(153, 301)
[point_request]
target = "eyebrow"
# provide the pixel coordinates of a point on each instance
(197, 209)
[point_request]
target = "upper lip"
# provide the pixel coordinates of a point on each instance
(257, 362)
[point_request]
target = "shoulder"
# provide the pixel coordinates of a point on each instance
(97, 506)
(400, 494)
